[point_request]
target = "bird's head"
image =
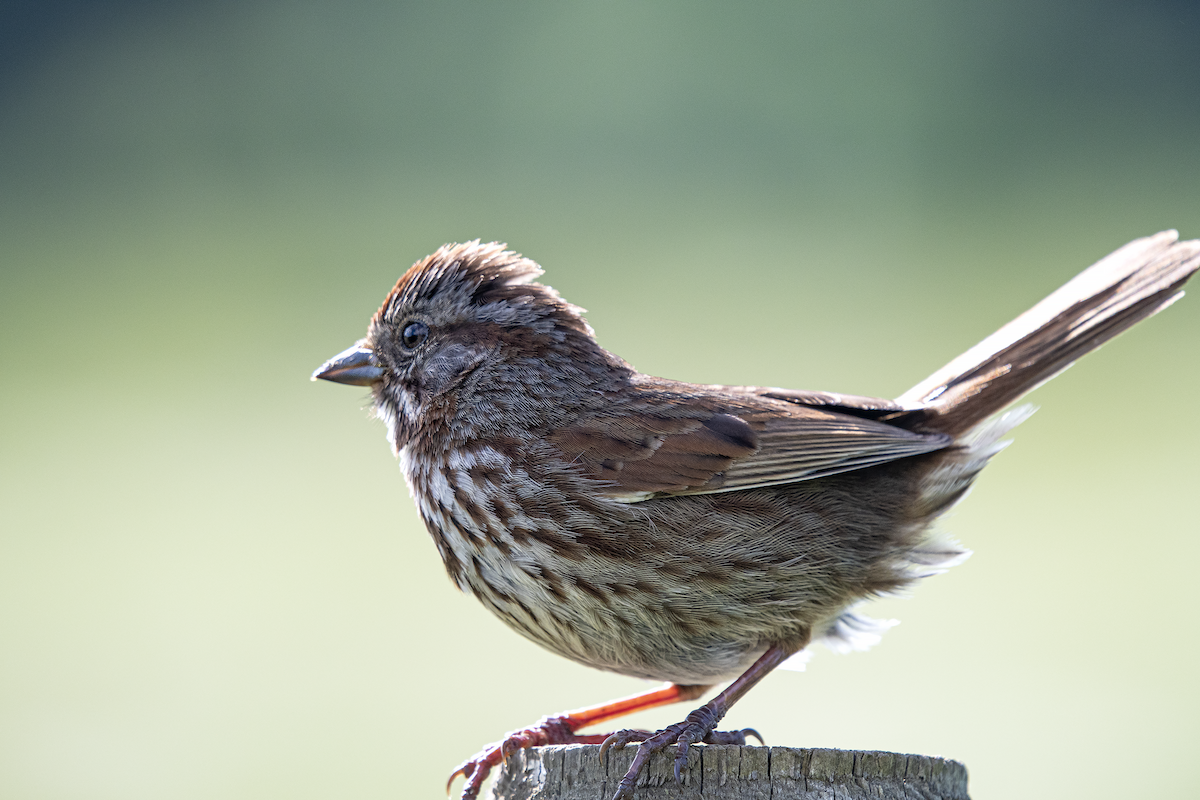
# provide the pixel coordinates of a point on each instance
(467, 339)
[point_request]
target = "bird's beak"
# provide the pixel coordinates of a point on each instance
(356, 366)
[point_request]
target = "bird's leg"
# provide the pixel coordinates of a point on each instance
(561, 729)
(699, 725)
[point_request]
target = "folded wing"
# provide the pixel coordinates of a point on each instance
(719, 439)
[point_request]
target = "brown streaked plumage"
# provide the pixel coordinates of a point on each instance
(687, 533)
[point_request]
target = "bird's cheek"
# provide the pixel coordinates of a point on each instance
(446, 368)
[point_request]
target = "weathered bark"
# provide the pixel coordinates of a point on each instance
(575, 772)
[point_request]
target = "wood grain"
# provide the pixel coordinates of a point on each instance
(575, 772)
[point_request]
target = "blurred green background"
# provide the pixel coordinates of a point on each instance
(212, 581)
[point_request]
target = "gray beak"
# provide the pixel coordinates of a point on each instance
(356, 366)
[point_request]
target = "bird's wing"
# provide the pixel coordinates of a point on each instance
(852, 404)
(720, 441)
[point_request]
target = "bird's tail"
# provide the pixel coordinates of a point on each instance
(965, 397)
(1114, 294)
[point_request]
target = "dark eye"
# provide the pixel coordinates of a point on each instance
(414, 333)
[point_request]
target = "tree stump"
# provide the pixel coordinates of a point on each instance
(730, 772)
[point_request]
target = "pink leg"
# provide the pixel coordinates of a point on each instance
(561, 729)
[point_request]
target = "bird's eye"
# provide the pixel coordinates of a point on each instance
(414, 333)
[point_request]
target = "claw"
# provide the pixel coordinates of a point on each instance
(751, 732)
(618, 739)
(684, 743)
(607, 743)
(465, 769)
(470, 769)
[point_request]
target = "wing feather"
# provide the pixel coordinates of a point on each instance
(717, 439)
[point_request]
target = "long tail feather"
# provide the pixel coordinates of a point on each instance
(1118, 291)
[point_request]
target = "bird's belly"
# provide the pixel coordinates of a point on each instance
(688, 589)
(666, 636)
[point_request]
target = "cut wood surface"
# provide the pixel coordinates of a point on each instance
(730, 772)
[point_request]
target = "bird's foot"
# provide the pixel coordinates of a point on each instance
(556, 729)
(697, 727)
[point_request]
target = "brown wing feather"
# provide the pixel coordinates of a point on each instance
(656, 450)
(719, 439)
(812, 444)
(852, 404)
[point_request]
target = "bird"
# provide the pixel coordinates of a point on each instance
(688, 533)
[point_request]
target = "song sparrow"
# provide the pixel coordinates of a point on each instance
(680, 532)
